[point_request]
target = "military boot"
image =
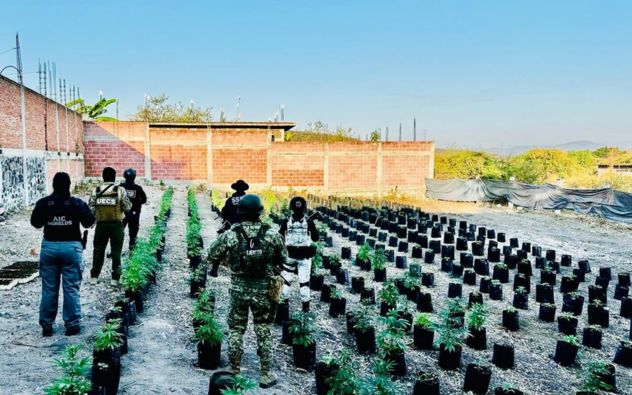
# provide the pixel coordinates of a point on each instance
(268, 379)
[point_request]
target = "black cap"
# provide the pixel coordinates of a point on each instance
(240, 185)
(109, 174)
(298, 204)
(61, 182)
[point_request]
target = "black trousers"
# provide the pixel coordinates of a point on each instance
(132, 220)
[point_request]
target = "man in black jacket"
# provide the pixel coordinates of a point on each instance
(61, 255)
(137, 196)
(229, 211)
(299, 233)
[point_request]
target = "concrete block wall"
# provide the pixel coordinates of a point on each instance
(54, 142)
(219, 155)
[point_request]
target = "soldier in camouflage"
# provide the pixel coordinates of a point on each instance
(255, 253)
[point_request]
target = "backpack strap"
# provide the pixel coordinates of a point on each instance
(101, 193)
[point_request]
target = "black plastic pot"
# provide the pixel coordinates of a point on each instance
(461, 244)
(446, 265)
(368, 296)
(323, 372)
(286, 335)
(623, 355)
(316, 282)
(566, 260)
(511, 320)
(511, 261)
(106, 370)
(565, 353)
(398, 359)
(450, 360)
(345, 253)
(209, 355)
(427, 279)
(507, 391)
(477, 339)
(385, 308)
(584, 266)
(478, 248)
(567, 325)
(423, 338)
(520, 280)
(455, 290)
(544, 293)
(357, 284)
(547, 312)
(572, 303)
(524, 267)
(466, 259)
(424, 302)
(474, 298)
(457, 270)
(379, 275)
(621, 291)
(503, 356)
(304, 356)
(624, 279)
(496, 290)
(591, 337)
(477, 379)
(521, 300)
(513, 242)
(138, 300)
(626, 308)
(426, 384)
(501, 273)
(484, 285)
(365, 341)
(493, 254)
(548, 277)
(469, 277)
(342, 277)
(598, 314)
(597, 292)
(401, 261)
(429, 256)
(337, 307)
(325, 293)
(481, 266)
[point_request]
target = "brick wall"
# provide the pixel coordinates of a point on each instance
(219, 156)
(54, 142)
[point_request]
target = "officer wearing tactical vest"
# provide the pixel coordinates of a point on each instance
(255, 255)
(61, 256)
(299, 233)
(229, 211)
(109, 202)
(137, 196)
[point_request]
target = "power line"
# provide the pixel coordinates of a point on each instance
(8, 50)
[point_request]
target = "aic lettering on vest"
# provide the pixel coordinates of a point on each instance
(297, 234)
(108, 205)
(59, 221)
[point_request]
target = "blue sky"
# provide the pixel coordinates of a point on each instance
(473, 73)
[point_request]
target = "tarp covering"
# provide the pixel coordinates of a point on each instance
(604, 202)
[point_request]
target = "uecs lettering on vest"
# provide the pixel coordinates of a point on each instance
(106, 201)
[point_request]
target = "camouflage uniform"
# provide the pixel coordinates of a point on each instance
(248, 291)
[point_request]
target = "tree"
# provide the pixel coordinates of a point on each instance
(95, 111)
(375, 136)
(454, 163)
(319, 132)
(158, 109)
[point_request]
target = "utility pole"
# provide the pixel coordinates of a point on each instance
(400, 131)
(414, 129)
(23, 111)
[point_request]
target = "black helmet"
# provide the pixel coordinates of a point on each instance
(250, 207)
(298, 204)
(130, 175)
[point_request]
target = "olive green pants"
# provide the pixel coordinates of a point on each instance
(111, 232)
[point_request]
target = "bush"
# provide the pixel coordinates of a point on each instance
(467, 164)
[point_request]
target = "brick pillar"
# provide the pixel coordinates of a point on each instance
(209, 155)
(379, 172)
(147, 153)
(326, 167)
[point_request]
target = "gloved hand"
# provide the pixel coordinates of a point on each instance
(214, 271)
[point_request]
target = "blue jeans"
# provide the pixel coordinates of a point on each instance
(60, 260)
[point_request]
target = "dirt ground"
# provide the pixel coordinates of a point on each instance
(162, 353)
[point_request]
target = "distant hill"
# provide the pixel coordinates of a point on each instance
(570, 146)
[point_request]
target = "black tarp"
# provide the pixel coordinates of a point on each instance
(605, 202)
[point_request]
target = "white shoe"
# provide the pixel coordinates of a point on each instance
(93, 280)
(114, 283)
